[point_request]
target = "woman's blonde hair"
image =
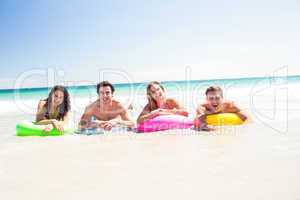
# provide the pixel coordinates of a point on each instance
(151, 101)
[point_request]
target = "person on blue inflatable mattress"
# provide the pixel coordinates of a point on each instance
(107, 111)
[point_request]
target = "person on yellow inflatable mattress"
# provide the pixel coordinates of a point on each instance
(215, 104)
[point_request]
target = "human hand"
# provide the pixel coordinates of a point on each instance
(48, 128)
(107, 126)
(114, 122)
(155, 113)
(214, 110)
(180, 112)
(161, 111)
(206, 128)
(201, 125)
(56, 124)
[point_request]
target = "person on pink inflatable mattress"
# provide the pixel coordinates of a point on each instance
(158, 104)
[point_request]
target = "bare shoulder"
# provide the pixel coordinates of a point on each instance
(172, 103)
(203, 106)
(91, 106)
(118, 105)
(171, 100)
(229, 104)
(41, 103)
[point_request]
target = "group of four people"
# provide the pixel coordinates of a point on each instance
(106, 112)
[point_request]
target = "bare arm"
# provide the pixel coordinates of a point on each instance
(201, 115)
(200, 120)
(126, 119)
(175, 108)
(174, 111)
(233, 108)
(146, 114)
(41, 120)
(40, 113)
(85, 118)
(66, 119)
(201, 110)
(179, 111)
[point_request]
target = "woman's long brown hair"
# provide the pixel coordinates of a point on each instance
(63, 108)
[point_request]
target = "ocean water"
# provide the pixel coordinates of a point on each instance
(260, 160)
(189, 93)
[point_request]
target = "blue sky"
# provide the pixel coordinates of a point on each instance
(147, 40)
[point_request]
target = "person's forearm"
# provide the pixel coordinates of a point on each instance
(180, 112)
(146, 117)
(142, 119)
(84, 123)
(243, 116)
(200, 114)
(45, 122)
(232, 110)
(100, 121)
(54, 122)
(200, 121)
(127, 123)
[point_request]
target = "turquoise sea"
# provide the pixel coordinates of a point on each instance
(189, 93)
(139, 88)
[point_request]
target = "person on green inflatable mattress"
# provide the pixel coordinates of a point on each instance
(54, 111)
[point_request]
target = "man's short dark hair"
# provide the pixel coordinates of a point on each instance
(104, 84)
(214, 89)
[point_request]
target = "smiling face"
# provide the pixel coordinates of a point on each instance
(156, 92)
(105, 95)
(214, 98)
(58, 97)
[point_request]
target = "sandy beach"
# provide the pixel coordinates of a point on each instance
(246, 162)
